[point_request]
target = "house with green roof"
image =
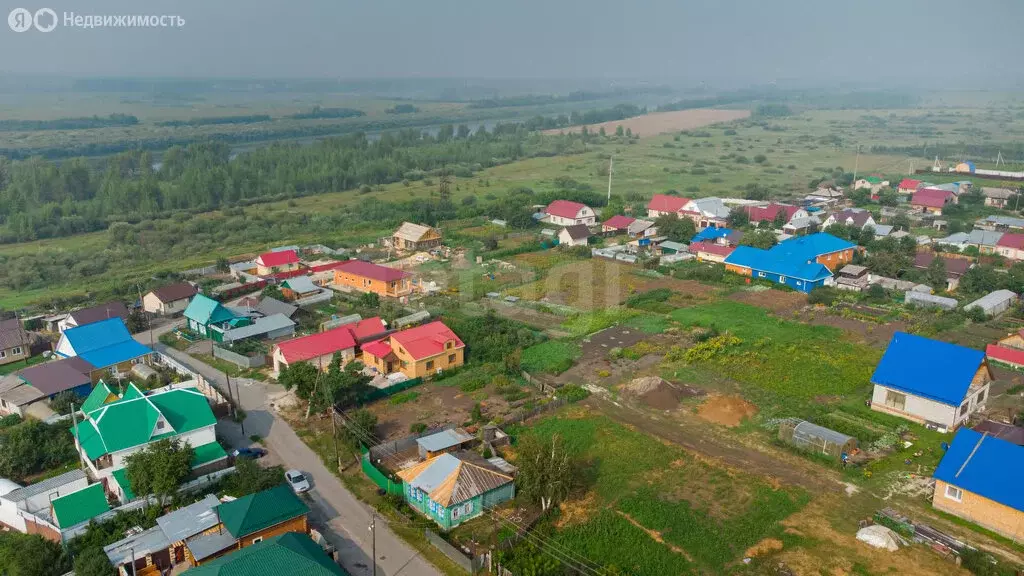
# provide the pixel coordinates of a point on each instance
(117, 425)
(204, 314)
(249, 520)
(289, 553)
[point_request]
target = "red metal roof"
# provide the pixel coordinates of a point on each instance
(305, 271)
(426, 340)
(378, 348)
(771, 211)
(711, 248)
(1004, 354)
(564, 208)
(330, 341)
(371, 270)
(619, 222)
(931, 197)
(1010, 240)
(666, 203)
(909, 184)
(271, 259)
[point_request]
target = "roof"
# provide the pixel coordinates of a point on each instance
(853, 269)
(372, 271)
(1005, 354)
(992, 299)
(101, 312)
(412, 232)
(1008, 221)
(206, 453)
(984, 237)
(1011, 240)
(444, 439)
(638, 226)
(811, 246)
(619, 222)
(928, 368)
(121, 477)
(378, 348)
(301, 284)
(330, 341)
(577, 231)
(857, 216)
(21, 395)
(259, 327)
(426, 340)
(774, 263)
(281, 258)
(100, 395)
(138, 545)
(451, 479)
(564, 208)
(48, 485)
(202, 546)
(711, 248)
(269, 306)
(711, 234)
(908, 184)
(711, 206)
(190, 520)
(1008, 432)
(987, 466)
(12, 334)
(955, 267)
(916, 297)
(205, 310)
(261, 510)
(811, 429)
(53, 377)
(175, 292)
(1000, 193)
(288, 553)
(882, 230)
(104, 343)
(676, 246)
(771, 211)
(931, 197)
(80, 506)
(666, 203)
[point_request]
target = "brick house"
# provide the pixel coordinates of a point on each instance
(417, 352)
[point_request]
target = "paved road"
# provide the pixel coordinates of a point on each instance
(333, 505)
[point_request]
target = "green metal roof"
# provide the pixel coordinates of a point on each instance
(289, 553)
(186, 409)
(255, 512)
(132, 392)
(98, 397)
(77, 507)
(206, 310)
(121, 476)
(207, 453)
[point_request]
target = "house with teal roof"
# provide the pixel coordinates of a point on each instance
(118, 424)
(207, 316)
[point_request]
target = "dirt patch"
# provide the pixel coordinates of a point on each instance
(658, 393)
(576, 511)
(766, 546)
(871, 333)
(726, 410)
(662, 122)
(528, 316)
(655, 535)
(777, 301)
(600, 343)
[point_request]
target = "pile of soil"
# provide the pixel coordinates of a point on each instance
(658, 393)
(726, 410)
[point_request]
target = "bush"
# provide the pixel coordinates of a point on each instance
(824, 295)
(10, 420)
(573, 393)
(417, 427)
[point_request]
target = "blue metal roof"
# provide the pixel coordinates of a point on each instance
(928, 368)
(811, 246)
(766, 261)
(711, 234)
(115, 354)
(993, 470)
(104, 343)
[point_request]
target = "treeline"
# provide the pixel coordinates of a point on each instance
(618, 112)
(215, 120)
(772, 111)
(542, 99)
(868, 99)
(44, 199)
(1011, 151)
(318, 112)
(81, 123)
(402, 109)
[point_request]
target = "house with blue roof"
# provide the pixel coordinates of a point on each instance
(933, 383)
(979, 480)
(803, 263)
(106, 345)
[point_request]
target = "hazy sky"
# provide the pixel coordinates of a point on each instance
(744, 41)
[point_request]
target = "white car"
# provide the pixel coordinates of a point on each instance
(297, 481)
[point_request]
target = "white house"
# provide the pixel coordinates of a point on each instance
(662, 204)
(574, 235)
(93, 314)
(854, 217)
(169, 300)
(708, 212)
(566, 213)
(27, 509)
(930, 382)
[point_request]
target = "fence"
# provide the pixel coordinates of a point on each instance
(388, 449)
(471, 565)
(378, 393)
(523, 415)
(377, 477)
(239, 359)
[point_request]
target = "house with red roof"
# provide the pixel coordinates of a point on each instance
(567, 213)
(1011, 246)
(274, 262)
(369, 277)
(417, 352)
(319, 349)
(706, 251)
(769, 213)
(908, 186)
(617, 224)
(662, 204)
(932, 200)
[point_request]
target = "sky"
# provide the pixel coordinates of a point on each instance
(736, 42)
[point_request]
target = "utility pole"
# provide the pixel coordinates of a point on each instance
(611, 166)
(373, 538)
(334, 434)
(238, 394)
(81, 457)
(856, 165)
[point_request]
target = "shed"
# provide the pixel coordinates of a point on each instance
(443, 441)
(816, 439)
(994, 303)
(926, 300)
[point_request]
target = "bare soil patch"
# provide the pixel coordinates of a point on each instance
(766, 546)
(776, 301)
(600, 343)
(726, 410)
(871, 333)
(658, 393)
(662, 122)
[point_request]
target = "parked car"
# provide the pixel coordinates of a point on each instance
(253, 453)
(297, 481)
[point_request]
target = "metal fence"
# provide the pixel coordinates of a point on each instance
(522, 415)
(471, 565)
(378, 393)
(389, 449)
(239, 359)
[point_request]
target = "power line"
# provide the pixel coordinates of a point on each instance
(577, 563)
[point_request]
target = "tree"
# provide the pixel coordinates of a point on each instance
(31, 555)
(250, 478)
(980, 279)
(675, 228)
(343, 385)
(901, 222)
(936, 274)
(160, 468)
(781, 218)
(860, 197)
(137, 321)
(876, 293)
(763, 239)
(547, 472)
(34, 446)
(369, 300)
(223, 265)
(92, 561)
(62, 402)
(361, 428)
(619, 130)
(513, 362)
(738, 219)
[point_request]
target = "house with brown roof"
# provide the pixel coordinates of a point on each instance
(14, 341)
(94, 314)
(413, 237)
(169, 300)
(932, 200)
(369, 277)
(956, 267)
(576, 235)
(852, 217)
(998, 197)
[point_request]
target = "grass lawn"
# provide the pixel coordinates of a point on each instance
(14, 366)
(228, 368)
(551, 357)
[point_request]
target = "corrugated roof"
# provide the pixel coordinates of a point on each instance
(928, 368)
(444, 439)
(1005, 354)
(259, 327)
(451, 479)
(301, 284)
(989, 467)
(955, 267)
(175, 292)
(666, 203)
(992, 299)
(577, 231)
(104, 343)
(371, 271)
(765, 261)
(711, 234)
(48, 485)
(279, 258)
(711, 248)
(202, 546)
(12, 334)
(931, 197)
(101, 312)
(330, 341)
(289, 553)
(269, 306)
(984, 237)
(711, 207)
(1007, 432)
(190, 520)
(619, 222)
(137, 546)
(427, 340)
(80, 506)
(206, 310)
(53, 377)
(261, 510)
(1011, 240)
(564, 208)
(22, 395)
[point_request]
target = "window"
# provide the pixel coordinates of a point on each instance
(799, 283)
(954, 493)
(451, 358)
(895, 400)
(760, 274)
(160, 424)
(448, 345)
(981, 397)
(963, 408)
(782, 279)
(430, 365)
(257, 540)
(3, 353)
(16, 351)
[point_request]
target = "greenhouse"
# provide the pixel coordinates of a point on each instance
(817, 439)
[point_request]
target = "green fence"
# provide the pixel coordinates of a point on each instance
(378, 477)
(378, 393)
